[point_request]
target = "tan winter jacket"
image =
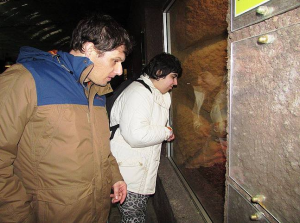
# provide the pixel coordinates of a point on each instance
(55, 159)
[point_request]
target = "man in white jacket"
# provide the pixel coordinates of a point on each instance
(142, 116)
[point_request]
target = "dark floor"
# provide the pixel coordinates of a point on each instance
(115, 216)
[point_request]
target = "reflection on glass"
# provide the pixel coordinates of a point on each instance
(199, 103)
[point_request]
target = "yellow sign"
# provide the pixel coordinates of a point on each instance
(242, 6)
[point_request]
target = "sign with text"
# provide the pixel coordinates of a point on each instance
(242, 6)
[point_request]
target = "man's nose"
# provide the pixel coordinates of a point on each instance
(119, 69)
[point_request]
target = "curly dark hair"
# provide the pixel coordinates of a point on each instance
(103, 31)
(161, 65)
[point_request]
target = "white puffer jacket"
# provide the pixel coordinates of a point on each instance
(143, 117)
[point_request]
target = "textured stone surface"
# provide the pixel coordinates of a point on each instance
(264, 147)
(265, 120)
(197, 21)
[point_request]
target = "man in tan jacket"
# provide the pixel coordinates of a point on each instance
(55, 159)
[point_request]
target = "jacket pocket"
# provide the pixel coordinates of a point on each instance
(131, 162)
(127, 156)
(64, 196)
(79, 212)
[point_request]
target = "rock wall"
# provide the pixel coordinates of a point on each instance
(195, 21)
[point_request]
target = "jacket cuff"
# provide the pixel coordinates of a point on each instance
(169, 132)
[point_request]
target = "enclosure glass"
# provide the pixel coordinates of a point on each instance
(196, 34)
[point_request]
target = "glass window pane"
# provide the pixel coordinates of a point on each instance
(198, 37)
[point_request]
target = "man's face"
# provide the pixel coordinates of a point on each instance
(166, 84)
(106, 65)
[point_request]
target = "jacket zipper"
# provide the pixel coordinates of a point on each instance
(62, 65)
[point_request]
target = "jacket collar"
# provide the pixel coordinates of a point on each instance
(162, 99)
(82, 66)
(79, 67)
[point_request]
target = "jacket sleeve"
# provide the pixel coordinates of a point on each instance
(135, 120)
(17, 100)
(115, 171)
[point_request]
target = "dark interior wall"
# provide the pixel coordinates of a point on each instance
(145, 24)
(153, 28)
(135, 27)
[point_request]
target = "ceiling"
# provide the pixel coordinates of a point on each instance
(48, 24)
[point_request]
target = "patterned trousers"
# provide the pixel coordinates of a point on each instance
(133, 210)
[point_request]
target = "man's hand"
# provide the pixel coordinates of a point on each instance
(120, 192)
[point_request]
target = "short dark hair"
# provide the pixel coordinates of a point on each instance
(103, 31)
(163, 63)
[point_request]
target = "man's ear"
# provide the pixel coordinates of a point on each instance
(88, 48)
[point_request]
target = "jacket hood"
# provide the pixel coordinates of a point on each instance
(75, 65)
(29, 54)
